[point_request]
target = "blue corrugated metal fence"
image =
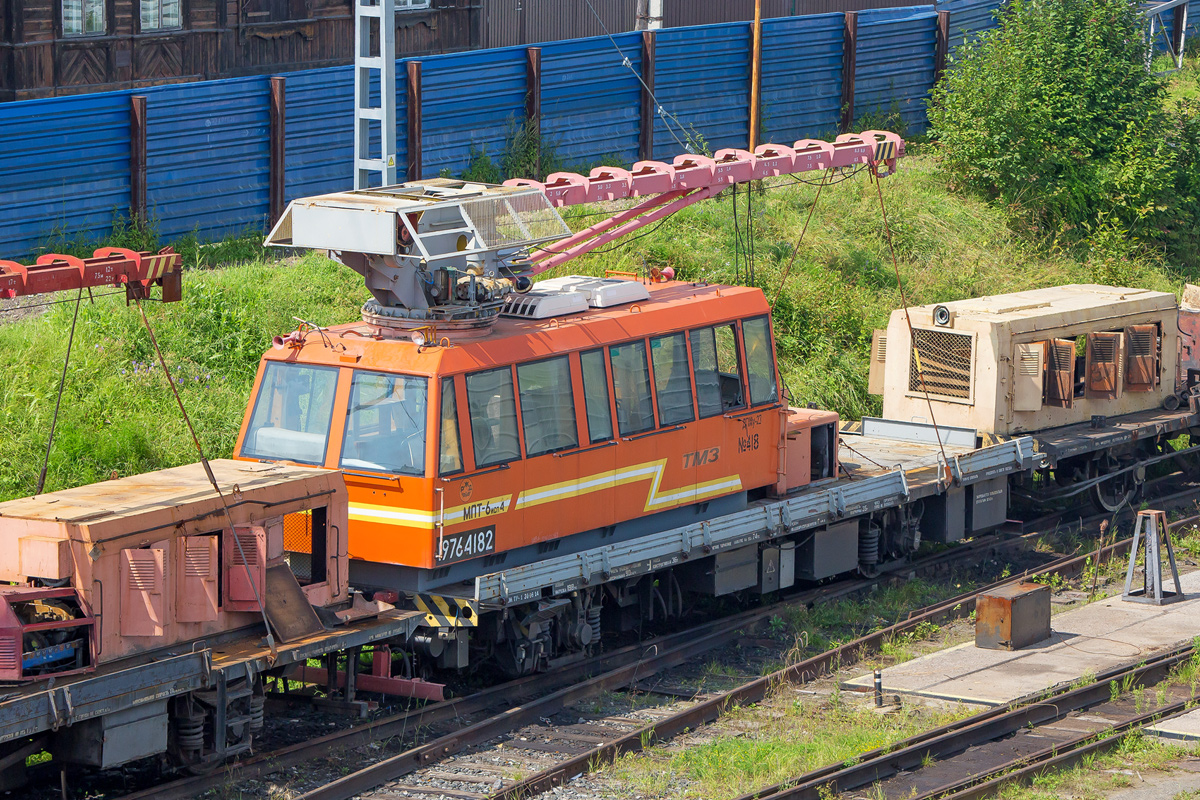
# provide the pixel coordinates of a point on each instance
(591, 100)
(469, 100)
(969, 18)
(65, 162)
(702, 78)
(208, 156)
(801, 77)
(64, 167)
(896, 48)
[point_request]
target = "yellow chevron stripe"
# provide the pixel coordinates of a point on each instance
(652, 471)
(423, 518)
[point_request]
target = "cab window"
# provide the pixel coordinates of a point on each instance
(715, 363)
(493, 412)
(631, 387)
(547, 406)
(292, 414)
(385, 424)
(450, 447)
(672, 379)
(595, 396)
(760, 361)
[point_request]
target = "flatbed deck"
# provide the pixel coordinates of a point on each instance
(910, 465)
(1074, 440)
(29, 709)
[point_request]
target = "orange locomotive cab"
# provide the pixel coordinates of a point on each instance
(539, 436)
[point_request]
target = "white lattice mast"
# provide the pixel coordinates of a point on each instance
(374, 20)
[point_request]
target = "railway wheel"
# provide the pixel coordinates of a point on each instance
(1121, 489)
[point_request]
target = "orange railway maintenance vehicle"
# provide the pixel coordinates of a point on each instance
(488, 469)
(530, 463)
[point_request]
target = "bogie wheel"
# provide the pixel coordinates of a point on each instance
(1118, 491)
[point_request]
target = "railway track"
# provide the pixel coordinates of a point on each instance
(438, 731)
(577, 747)
(976, 756)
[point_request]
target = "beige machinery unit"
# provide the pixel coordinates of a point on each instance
(1028, 361)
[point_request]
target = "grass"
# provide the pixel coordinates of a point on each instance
(827, 625)
(117, 411)
(807, 734)
(1099, 775)
(842, 286)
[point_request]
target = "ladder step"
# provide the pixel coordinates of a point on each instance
(370, 113)
(376, 164)
(368, 62)
(370, 11)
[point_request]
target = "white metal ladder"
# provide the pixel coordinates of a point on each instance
(378, 17)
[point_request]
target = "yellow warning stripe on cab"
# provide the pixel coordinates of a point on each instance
(447, 612)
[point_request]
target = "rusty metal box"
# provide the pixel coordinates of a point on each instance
(1013, 616)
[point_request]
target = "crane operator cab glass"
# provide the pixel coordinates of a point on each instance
(385, 421)
(292, 414)
(385, 424)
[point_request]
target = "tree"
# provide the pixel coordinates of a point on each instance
(1055, 114)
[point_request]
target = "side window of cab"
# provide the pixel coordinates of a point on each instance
(492, 405)
(760, 361)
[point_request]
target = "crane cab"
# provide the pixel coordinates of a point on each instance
(542, 435)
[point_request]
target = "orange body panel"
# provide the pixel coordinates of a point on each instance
(402, 519)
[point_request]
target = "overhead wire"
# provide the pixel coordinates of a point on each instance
(633, 239)
(750, 234)
(887, 228)
(737, 239)
(62, 383)
(56, 302)
(804, 230)
(666, 116)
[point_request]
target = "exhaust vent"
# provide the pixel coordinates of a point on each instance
(543, 305)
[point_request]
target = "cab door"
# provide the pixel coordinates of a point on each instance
(716, 354)
(551, 499)
(749, 456)
(476, 512)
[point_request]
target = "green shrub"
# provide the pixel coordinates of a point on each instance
(1055, 114)
(526, 154)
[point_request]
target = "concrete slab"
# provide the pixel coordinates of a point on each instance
(1185, 727)
(1091, 639)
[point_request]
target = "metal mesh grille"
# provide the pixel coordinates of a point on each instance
(297, 532)
(300, 564)
(510, 220)
(943, 359)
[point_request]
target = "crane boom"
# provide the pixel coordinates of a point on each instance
(691, 178)
(449, 252)
(108, 266)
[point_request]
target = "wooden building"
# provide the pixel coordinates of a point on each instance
(56, 47)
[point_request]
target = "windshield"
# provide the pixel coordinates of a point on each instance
(385, 424)
(292, 414)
